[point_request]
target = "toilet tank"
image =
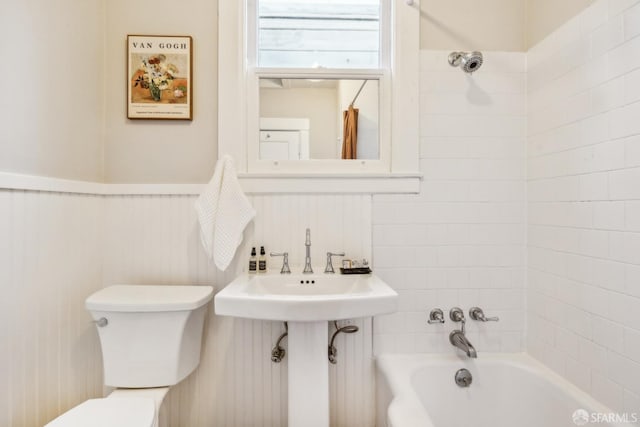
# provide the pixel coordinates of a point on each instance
(152, 335)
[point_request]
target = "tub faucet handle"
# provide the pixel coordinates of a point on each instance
(436, 316)
(457, 315)
(476, 313)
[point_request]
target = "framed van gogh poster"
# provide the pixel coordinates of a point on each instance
(159, 77)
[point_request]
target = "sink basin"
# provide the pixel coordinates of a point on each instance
(305, 297)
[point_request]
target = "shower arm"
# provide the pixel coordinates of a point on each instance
(358, 93)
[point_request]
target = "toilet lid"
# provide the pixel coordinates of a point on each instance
(111, 412)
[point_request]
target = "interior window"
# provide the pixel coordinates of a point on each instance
(343, 53)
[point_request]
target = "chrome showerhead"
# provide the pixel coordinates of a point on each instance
(468, 61)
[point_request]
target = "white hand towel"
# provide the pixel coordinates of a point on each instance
(223, 212)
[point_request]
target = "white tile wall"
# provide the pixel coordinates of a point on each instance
(461, 241)
(583, 198)
(50, 260)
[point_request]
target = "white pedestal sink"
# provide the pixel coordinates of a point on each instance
(307, 302)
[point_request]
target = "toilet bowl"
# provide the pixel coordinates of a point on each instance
(109, 412)
(151, 338)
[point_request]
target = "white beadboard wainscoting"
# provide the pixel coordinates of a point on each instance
(154, 239)
(51, 252)
(58, 248)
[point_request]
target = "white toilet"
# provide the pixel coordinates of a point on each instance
(151, 338)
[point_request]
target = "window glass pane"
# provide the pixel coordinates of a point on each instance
(315, 34)
(302, 119)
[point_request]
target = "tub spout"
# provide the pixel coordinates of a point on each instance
(458, 339)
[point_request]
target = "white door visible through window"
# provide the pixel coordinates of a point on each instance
(280, 145)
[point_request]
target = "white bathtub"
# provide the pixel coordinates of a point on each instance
(508, 390)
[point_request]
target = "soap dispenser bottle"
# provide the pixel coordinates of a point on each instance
(253, 262)
(262, 261)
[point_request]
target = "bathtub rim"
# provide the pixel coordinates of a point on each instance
(406, 409)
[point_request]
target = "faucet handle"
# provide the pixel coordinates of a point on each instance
(329, 268)
(456, 314)
(476, 313)
(436, 316)
(285, 262)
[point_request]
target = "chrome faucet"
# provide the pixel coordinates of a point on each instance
(307, 258)
(457, 337)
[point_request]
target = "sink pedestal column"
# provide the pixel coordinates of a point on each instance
(308, 374)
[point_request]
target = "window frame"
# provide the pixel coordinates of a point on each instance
(381, 74)
(238, 112)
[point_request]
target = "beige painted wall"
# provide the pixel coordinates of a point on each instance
(319, 105)
(161, 151)
(473, 25)
(63, 105)
(507, 25)
(545, 16)
(51, 105)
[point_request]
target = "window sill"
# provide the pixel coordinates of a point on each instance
(290, 183)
